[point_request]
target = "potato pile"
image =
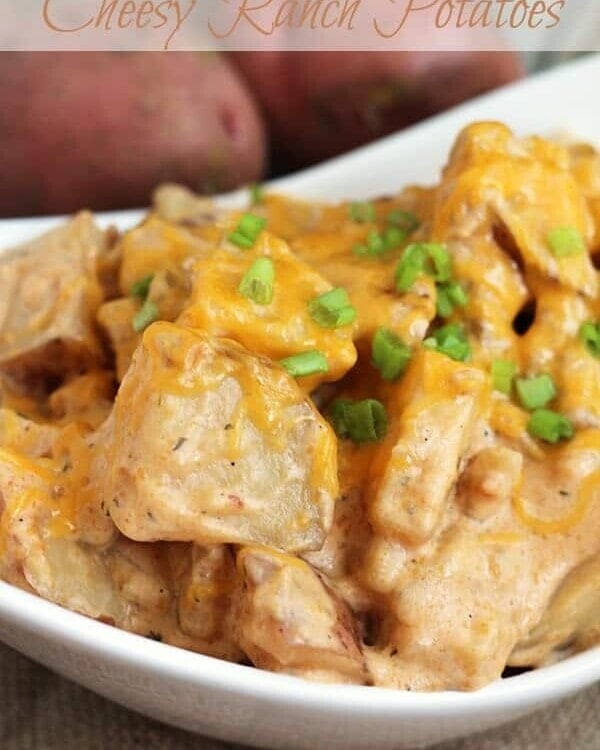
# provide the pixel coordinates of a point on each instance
(100, 130)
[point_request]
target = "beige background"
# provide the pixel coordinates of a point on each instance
(41, 711)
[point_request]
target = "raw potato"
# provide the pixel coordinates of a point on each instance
(319, 104)
(103, 129)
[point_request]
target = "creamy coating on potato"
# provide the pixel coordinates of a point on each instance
(210, 443)
(354, 442)
(47, 313)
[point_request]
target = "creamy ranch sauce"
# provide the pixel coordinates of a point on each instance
(179, 483)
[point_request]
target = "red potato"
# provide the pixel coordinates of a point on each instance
(319, 104)
(101, 130)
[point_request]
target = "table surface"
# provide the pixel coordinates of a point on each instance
(42, 711)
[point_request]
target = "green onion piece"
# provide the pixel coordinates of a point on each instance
(247, 231)
(251, 225)
(503, 372)
(362, 212)
(457, 294)
(410, 266)
(550, 426)
(332, 309)
(450, 340)
(147, 314)
(142, 287)
(443, 303)
(239, 239)
(441, 261)
(305, 363)
(590, 336)
(338, 418)
(535, 393)
(450, 294)
(257, 283)
(393, 237)
(565, 241)
(257, 194)
(430, 257)
(404, 220)
(375, 243)
(360, 421)
(389, 354)
(378, 244)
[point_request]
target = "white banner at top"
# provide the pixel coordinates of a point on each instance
(361, 25)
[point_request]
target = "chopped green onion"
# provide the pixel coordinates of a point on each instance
(375, 243)
(378, 244)
(257, 194)
(362, 212)
(332, 309)
(443, 304)
(450, 340)
(389, 354)
(450, 294)
(457, 294)
(550, 426)
(590, 336)
(441, 261)
(535, 393)
(305, 363)
(247, 231)
(147, 314)
(142, 287)
(374, 246)
(423, 257)
(565, 241)
(257, 283)
(239, 239)
(503, 372)
(360, 421)
(251, 225)
(404, 220)
(393, 237)
(410, 266)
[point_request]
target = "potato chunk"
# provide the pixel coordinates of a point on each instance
(433, 413)
(325, 238)
(50, 294)
(133, 586)
(87, 398)
(154, 246)
(279, 329)
(115, 318)
(570, 623)
(290, 620)
(168, 290)
(495, 179)
(209, 443)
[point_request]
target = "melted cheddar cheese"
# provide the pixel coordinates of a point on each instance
(399, 516)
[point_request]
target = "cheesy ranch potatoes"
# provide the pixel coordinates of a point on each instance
(354, 443)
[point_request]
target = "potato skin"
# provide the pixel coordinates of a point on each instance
(320, 104)
(102, 129)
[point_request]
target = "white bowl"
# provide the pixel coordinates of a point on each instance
(246, 705)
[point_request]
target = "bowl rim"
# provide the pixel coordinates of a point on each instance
(32, 613)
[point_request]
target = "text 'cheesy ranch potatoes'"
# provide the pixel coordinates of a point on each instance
(355, 443)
